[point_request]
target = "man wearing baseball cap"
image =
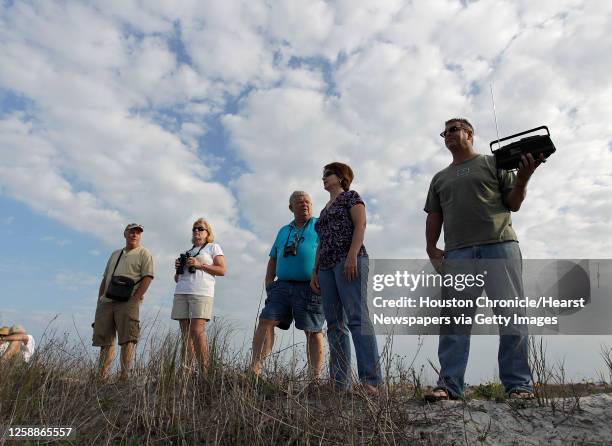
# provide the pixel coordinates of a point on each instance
(128, 273)
(15, 340)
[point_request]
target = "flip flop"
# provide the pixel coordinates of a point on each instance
(432, 398)
(518, 394)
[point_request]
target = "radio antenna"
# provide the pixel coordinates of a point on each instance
(494, 114)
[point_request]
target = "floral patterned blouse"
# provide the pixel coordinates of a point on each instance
(335, 229)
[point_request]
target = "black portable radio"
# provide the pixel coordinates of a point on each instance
(509, 156)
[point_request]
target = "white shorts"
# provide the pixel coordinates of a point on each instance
(192, 306)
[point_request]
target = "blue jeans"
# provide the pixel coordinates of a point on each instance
(454, 349)
(346, 310)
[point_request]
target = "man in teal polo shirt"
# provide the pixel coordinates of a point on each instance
(289, 296)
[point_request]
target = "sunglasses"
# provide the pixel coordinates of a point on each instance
(328, 173)
(198, 229)
(450, 130)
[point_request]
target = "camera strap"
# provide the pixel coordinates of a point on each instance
(116, 264)
(288, 235)
(199, 250)
(299, 233)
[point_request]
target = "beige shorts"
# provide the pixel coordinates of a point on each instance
(192, 306)
(116, 317)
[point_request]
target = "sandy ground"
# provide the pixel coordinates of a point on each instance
(587, 421)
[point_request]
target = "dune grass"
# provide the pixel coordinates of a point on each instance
(163, 403)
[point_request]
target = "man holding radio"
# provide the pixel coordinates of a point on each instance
(128, 274)
(289, 297)
(473, 200)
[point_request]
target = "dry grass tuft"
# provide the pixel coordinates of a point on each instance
(163, 403)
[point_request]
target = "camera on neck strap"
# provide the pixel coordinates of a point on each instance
(290, 250)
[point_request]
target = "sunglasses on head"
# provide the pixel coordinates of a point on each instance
(198, 229)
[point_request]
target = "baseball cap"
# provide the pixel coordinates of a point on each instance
(4, 331)
(134, 226)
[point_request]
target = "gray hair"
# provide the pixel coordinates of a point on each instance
(297, 194)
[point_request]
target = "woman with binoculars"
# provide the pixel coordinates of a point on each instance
(194, 293)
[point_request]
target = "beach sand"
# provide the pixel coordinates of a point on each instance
(561, 421)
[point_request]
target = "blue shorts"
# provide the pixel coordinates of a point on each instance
(293, 300)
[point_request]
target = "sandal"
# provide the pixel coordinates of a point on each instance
(519, 394)
(439, 394)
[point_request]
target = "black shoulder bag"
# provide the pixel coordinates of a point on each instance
(120, 288)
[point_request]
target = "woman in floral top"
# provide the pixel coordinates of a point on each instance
(340, 275)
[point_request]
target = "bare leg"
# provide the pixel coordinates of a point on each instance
(187, 351)
(315, 352)
(127, 358)
(263, 341)
(107, 354)
(197, 334)
(12, 349)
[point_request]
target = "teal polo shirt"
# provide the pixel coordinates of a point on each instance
(298, 267)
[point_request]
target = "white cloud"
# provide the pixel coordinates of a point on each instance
(224, 42)
(285, 136)
(75, 35)
(144, 16)
(357, 24)
(480, 31)
(304, 27)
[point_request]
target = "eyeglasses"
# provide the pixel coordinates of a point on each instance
(452, 129)
(328, 173)
(198, 229)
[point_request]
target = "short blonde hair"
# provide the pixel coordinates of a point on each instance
(211, 235)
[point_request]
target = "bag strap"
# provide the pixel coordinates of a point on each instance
(119, 258)
(115, 269)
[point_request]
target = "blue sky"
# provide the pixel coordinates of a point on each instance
(160, 112)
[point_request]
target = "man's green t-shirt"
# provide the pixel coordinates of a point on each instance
(470, 198)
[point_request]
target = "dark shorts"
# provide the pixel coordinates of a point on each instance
(288, 301)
